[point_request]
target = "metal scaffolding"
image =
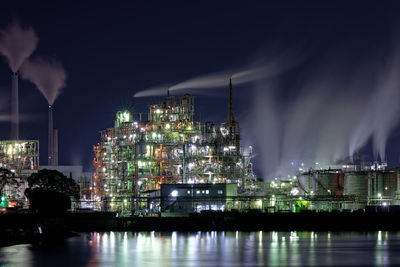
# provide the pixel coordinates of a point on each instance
(136, 157)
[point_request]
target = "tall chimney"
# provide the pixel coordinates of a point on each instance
(14, 107)
(50, 149)
(230, 102)
(133, 108)
(55, 147)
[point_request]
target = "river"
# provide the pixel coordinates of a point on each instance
(210, 249)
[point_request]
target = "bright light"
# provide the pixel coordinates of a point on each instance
(191, 165)
(224, 131)
(379, 195)
(174, 193)
(294, 191)
(167, 126)
(384, 204)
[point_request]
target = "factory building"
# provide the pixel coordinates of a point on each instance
(144, 151)
(166, 162)
(21, 157)
(186, 198)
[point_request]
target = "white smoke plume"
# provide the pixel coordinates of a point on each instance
(48, 75)
(201, 85)
(17, 43)
(271, 67)
(328, 116)
(153, 91)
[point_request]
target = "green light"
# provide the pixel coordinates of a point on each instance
(124, 116)
(3, 198)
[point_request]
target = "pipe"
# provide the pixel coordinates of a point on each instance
(14, 135)
(50, 138)
(55, 148)
(230, 102)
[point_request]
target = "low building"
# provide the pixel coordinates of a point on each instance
(187, 198)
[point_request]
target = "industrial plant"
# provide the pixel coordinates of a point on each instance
(137, 158)
(165, 162)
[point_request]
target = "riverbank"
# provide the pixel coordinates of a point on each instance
(30, 227)
(310, 221)
(26, 228)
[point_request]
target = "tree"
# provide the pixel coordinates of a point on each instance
(49, 191)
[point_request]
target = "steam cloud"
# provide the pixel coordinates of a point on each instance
(327, 118)
(153, 91)
(17, 44)
(49, 76)
(200, 85)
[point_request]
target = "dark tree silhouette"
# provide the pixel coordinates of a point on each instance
(49, 191)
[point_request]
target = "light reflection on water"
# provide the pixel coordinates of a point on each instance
(211, 249)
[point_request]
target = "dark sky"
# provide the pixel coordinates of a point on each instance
(113, 50)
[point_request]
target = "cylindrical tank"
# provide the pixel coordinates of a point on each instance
(357, 184)
(384, 184)
(307, 184)
(329, 183)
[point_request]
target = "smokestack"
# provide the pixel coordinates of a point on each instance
(14, 107)
(230, 102)
(133, 108)
(50, 149)
(55, 147)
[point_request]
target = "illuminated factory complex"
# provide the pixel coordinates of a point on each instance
(167, 146)
(166, 161)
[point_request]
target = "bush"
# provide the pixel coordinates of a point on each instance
(48, 201)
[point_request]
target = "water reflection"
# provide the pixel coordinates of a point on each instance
(211, 249)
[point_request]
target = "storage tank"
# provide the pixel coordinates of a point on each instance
(329, 183)
(307, 184)
(356, 183)
(384, 183)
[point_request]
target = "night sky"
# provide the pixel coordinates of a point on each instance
(111, 51)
